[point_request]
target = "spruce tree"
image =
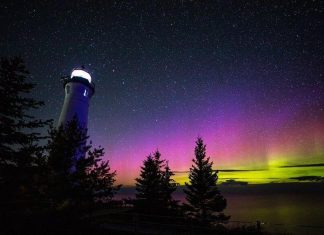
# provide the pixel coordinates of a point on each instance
(154, 186)
(168, 186)
(205, 202)
(77, 173)
(148, 198)
(20, 153)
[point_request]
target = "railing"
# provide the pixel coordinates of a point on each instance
(143, 223)
(121, 219)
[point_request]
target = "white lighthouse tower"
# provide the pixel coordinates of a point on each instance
(78, 92)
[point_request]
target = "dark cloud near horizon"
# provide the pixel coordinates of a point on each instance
(310, 178)
(227, 170)
(303, 165)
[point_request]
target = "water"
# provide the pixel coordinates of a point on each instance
(293, 208)
(280, 212)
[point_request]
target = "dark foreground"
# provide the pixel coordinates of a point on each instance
(279, 208)
(295, 208)
(122, 221)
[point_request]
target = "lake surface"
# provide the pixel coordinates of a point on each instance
(294, 208)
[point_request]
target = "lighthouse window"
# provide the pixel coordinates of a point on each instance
(67, 89)
(85, 93)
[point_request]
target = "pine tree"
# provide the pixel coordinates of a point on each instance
(154, 186)
(168, 186)
(205, 202)
(148, 198)
(20, 153)
(77, 173)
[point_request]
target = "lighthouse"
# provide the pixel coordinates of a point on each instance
(79, 89)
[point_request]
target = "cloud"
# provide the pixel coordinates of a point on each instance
(226, 170)
(308, 178)
(180, 172)
(234, 170)
(233, 182)
(303, 165)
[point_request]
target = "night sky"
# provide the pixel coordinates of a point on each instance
(246, 76)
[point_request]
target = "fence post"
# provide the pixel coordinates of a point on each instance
(258, 225)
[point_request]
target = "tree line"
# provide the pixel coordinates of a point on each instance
(43, 178)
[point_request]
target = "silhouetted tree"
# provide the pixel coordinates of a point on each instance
(77, 174)
(205, 202)
(20, 153)
(168, 186)
(154, 186)
(148, 185)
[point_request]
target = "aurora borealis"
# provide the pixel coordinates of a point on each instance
(261, 142)
(245, 76)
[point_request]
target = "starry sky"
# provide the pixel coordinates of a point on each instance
(246, 76)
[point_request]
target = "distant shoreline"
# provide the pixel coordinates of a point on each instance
(270, 188)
